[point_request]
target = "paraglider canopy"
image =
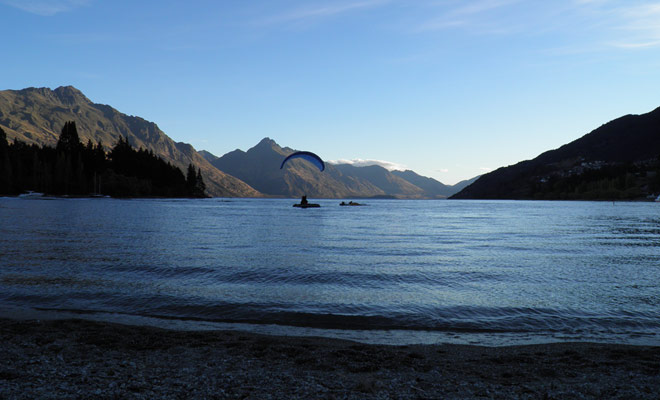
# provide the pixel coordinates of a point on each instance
(307, 155)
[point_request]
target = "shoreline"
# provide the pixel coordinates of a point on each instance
(46, 196)
(81, 358)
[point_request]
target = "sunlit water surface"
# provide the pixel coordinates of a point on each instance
(394, 271)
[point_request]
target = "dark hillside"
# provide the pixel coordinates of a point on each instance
(619, 160)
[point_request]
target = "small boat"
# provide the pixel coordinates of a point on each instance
(351, 203)
(658, 198)
(30, 195)
(308, 205)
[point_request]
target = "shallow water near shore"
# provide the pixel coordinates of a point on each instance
(394, 271)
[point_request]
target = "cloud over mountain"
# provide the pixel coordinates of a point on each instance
(358, 162)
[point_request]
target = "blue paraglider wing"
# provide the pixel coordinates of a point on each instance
(307, 155)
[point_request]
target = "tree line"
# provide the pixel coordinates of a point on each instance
(616, 181)
(76, 169)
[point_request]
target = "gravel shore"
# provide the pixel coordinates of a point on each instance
(83, 359)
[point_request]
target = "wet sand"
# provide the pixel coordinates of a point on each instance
(85, 359)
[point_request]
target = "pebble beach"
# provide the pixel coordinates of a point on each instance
(78, 359)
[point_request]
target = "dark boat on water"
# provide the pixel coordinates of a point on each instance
(308, 205)
(351, 203)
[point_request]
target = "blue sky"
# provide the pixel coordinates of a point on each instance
(448, 88)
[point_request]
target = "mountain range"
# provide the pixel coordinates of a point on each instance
(259, 167)
(36, 116)
(618, 160)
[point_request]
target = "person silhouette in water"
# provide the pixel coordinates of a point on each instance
(303, 201)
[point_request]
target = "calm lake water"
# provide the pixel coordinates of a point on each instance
(394, 271)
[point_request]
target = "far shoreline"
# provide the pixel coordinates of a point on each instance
(30, 195)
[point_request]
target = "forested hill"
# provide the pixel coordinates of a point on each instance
(619, 160)
(36, 115)
(71, 168)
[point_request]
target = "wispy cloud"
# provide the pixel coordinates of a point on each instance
(388, 165)
(45, 8)
(639, 25)
(482, 6)
(635, 44)
(319, 10)
(608, 24)
(471, 15)
(583, 25)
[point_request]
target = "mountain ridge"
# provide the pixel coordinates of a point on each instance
(618, 160)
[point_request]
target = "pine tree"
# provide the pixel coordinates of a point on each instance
(5, 164)
(3, 139)
(69, 140)
(200, 187)
(70, 149)
(121, 156)
(191, 179)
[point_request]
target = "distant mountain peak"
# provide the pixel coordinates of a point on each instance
(267, 145)
(208, 156)
(66, 95)
(267, 142)
(68, 89)
(70, 95)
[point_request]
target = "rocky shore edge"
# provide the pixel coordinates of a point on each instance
(81, 359)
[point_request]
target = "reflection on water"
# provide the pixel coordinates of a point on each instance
(509, 270)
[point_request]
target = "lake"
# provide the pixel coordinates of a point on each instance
(393, 271)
